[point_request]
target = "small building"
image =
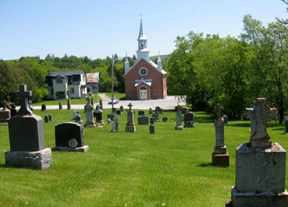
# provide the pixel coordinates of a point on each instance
(92, 82)
(145, 79)
(66, 84)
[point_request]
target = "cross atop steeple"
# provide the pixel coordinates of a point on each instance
(24, 95)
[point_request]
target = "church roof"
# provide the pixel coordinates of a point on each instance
(151, 63)
(147, 81)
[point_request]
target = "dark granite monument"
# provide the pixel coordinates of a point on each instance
(143, 120)
(27, 138)
(69, 136)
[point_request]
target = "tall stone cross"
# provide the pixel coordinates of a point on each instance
(251, 115)
(218, 108)
(24, 95)
(88, 100)
(130, 106)
(261, 113)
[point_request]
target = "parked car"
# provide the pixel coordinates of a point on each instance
(115, 100)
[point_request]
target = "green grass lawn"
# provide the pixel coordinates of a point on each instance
(64, 101)
(121, 96)
(130, 169)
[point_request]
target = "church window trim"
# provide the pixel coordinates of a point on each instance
(143, 71)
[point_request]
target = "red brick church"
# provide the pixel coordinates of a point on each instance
(145, 79)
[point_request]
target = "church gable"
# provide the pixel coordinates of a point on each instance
(145, 65)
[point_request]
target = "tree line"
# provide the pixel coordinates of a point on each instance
(33, 71)
(232, 71)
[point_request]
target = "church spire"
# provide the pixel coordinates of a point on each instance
(126, 64)
(142, 51)
(159, 62)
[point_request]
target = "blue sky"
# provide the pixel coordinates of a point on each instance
(97, 29)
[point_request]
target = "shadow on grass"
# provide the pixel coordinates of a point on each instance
(205, 165)
(204, 119)
(240, 124)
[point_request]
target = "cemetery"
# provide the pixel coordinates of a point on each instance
(153, 166)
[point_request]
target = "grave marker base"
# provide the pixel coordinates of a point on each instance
(39, 160)
(85, 148)
(263, 199)
(221, 160)
(179, 127)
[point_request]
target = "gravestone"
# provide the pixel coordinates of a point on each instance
(50, 117)
(30, 106)
(157, 109)
(115, 125)
(151, 120)
(13, 110)
(110, 116)
(92, 101)
(225, 120)
(150, 110)
(184, 110)
(43, 107)
(189, 120)
(101, 104)
(60, 105)
(114, 110)
(156, 117)
(26, 137)
(130, 126)
(5, 115)
(98, 115)
(260, 165)
(69, 136)
(250, 116)
(220, 157)
(78, 118)
(121, 108)
(152, 129)
(74, 114)
(179, 125)
(141, 113)
(161, 111)
(286, 124)
(164, 119)
(143, 120)
(46, 118)
(118, 112)
(89, 114)
(68, 104)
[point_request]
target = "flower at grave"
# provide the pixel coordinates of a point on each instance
(163, 204)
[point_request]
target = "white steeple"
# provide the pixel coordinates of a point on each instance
(142, 51)
(159, 63)
(126, 64)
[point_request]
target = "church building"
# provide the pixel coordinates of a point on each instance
(145, 79)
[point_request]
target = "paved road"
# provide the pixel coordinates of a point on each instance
(168, 103)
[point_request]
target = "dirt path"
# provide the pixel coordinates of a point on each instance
(103, 97)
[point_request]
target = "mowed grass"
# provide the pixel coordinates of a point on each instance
(64, 101)
(169, 168)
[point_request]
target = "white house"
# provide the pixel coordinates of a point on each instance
(92, 82)
(66, 84)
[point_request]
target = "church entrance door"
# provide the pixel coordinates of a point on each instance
(143, 93)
